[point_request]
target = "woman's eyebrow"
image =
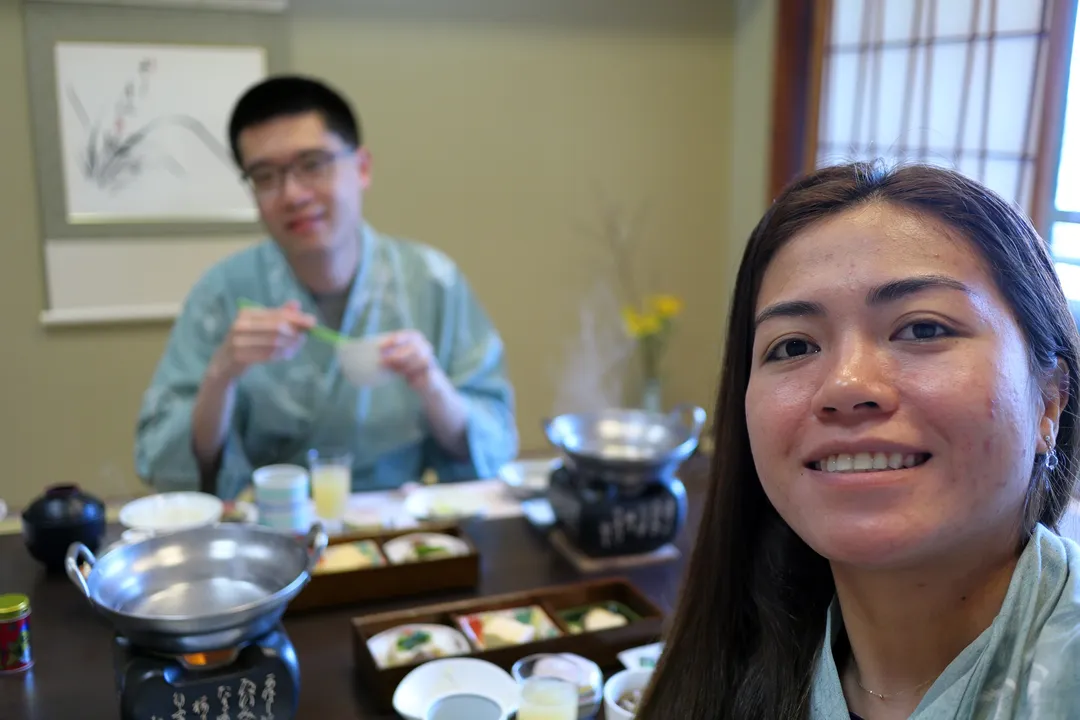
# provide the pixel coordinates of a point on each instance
(789, 308)
(898, 289)
(882, 294)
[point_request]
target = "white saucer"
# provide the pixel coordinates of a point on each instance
(528, 478)
(171, 512)
(444, 502)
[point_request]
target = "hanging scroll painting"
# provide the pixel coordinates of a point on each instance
(144, 131)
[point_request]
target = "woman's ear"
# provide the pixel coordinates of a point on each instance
(1055, 393)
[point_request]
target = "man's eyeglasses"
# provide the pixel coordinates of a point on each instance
(309, 169)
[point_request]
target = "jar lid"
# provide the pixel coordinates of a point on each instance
(13, 606)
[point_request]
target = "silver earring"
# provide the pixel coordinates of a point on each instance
(1051, 457)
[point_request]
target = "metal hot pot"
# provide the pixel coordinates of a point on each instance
(197, 590)
(616, 491)
(626, 446)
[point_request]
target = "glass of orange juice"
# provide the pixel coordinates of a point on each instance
(331, 483)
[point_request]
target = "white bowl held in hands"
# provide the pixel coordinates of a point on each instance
(451, 676)
(619, 684)
(171, 512)
(361, 362)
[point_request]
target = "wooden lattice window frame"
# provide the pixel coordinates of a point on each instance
(801, 42)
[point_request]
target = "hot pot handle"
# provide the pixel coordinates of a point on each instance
(697, 414)
(76, 552)
(315, 541)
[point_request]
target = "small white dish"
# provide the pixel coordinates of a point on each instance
(3, 509)
(641, 658)
(361, 361)
(452, 676)
(449, 641)
(444, 502)
(363, 519)
(528, 478)
(620, 683)
(403, 549)
(172, 512)
(539, 512)
(240, 511)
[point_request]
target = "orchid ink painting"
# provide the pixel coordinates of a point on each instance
(120, 148)
(143, 131)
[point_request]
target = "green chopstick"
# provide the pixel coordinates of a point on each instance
(319, 332)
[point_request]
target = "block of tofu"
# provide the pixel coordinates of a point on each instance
(502, 631)
(349, 556)
(602, 619)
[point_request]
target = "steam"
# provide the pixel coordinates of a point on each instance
(593, 375)
(594, 370)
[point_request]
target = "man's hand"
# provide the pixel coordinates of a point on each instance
(259, 335)
(409, 354)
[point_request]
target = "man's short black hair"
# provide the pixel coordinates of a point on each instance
(284, 95)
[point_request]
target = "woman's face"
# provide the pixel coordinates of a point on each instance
(891, 406)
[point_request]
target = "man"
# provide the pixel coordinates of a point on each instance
(241, 387)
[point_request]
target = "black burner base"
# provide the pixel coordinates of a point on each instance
(605, 519)
(262, 681)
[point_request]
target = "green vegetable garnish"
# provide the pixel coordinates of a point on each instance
(412, 640)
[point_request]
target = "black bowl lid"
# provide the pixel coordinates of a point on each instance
(64, 505)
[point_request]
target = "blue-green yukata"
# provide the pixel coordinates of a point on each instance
(1025, 665)
(286, 407)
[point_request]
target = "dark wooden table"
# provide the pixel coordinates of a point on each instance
(72, 675)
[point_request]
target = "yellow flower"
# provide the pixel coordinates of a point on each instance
(650, 324)
(632, 322)
(640, 325)
(666, 306)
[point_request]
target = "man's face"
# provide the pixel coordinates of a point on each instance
(307, 182)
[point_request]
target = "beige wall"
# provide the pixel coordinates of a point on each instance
(493, 136)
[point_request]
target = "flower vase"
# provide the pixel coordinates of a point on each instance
(651, 392)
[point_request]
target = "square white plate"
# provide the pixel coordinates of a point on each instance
(641, 658)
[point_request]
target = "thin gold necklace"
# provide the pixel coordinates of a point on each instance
(882, 697)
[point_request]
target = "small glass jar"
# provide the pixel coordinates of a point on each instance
(15, 653)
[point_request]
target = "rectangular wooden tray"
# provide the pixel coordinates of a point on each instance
(390, 581)
(602, 647)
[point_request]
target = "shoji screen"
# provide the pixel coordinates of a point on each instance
(958, 83)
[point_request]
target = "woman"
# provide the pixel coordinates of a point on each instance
(895, 443)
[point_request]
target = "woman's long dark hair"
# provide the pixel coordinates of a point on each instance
(751, 616)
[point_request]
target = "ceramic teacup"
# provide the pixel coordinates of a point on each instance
(282, 494)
